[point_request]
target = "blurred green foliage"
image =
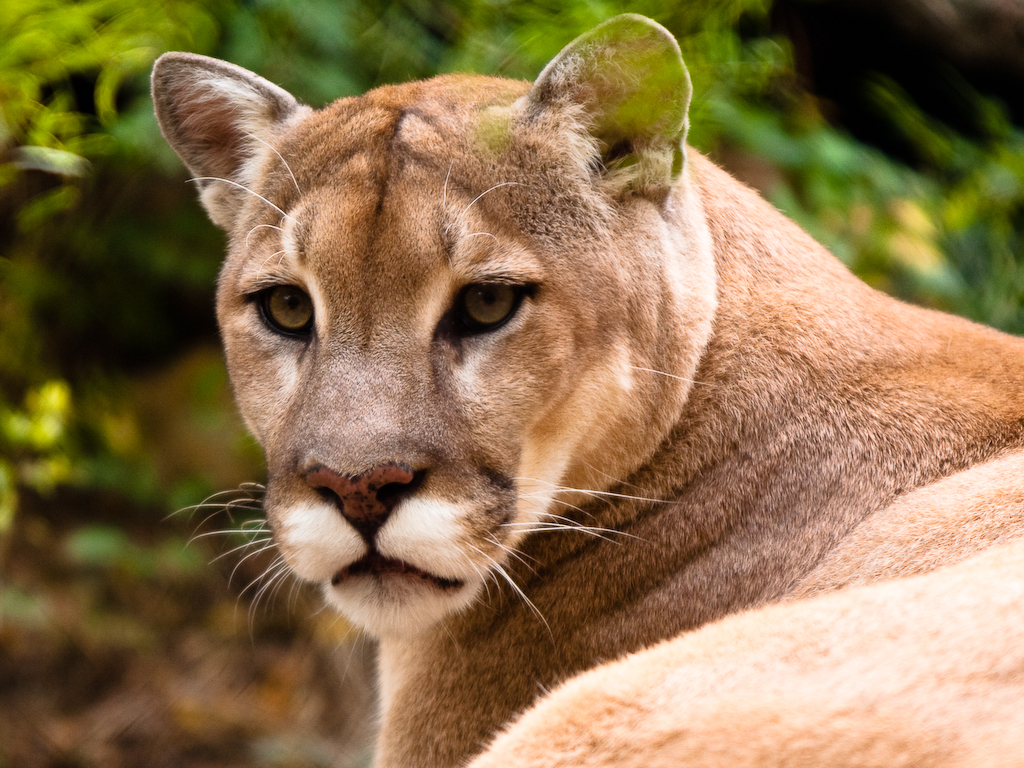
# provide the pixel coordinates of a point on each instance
(62, 66)
(107, 264)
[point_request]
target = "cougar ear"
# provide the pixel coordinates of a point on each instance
(628, 78)
(218, 117)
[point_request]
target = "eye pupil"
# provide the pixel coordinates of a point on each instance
(288, 309)
(487, 305)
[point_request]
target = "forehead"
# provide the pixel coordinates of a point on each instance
(380, 232)
(434, 123)
(391, 174)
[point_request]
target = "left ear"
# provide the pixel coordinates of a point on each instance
(628, 78)
(219, 118)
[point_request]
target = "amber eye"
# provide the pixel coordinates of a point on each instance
(488, 305)
(287, 309)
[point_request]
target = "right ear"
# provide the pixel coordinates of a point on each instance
(219, 118)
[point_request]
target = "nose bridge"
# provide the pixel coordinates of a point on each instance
(364, 409)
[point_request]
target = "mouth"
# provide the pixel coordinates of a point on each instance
(375, 564)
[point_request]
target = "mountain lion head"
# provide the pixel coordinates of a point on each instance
(453, 310)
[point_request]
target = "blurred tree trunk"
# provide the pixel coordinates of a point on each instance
(944, 57)
(981, 32)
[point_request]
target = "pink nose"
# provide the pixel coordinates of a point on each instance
(367, 500)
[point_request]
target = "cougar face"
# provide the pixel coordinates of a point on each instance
(424, 376)
(446, 321)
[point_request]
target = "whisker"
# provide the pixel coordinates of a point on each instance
(565, 504)
(599, 533)
(293, 594)
(266, 543)
(670, 375)
(511, 552)
(280, 157)
(209, 503)
(279, 575)
(245, 189)
(614, 480)
(588, 492)
(246, 527)
(265, 548)
(499, 569)
(220, 506)
(270, 574)
(280, 254)
(496, 186)
(276, 589)
(249, 533)
(260, 226)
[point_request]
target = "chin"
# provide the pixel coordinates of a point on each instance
(396, 606)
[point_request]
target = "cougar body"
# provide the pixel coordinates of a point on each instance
(541, 387)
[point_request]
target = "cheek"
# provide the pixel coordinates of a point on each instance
(502, 387)
(265, 381)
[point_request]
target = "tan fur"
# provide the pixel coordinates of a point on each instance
(696, 411)
(921, 672)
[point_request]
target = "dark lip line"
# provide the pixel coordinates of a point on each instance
(373, 563)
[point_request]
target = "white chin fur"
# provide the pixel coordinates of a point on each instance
(393, 607)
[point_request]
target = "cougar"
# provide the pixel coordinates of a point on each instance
(580, 427)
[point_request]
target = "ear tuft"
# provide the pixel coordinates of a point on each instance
(217, 117)
(628, 78)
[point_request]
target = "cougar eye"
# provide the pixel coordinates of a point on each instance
(287, 309)
(485, 306)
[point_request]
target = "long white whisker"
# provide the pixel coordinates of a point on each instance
(604, 534)
(280, 254)
(245, 189)
(588, 492)
(271, 573)
(250, 533)
(261, 226)
(265, 548)
(500, 570)
(246, 528)
(276, 590)
(218, 509)
(511, 552)
(280, 573)
(220, 505)
(496, 186)
(284, 162)
(497, 567)
(265, 544)
(210, 503)
(565, 504)
(293, 595)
